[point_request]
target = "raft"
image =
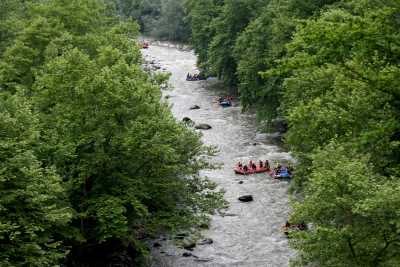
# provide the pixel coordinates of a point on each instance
(145, 45)
(251, 171)
(282, 175)
(191, 79)
(225, 103)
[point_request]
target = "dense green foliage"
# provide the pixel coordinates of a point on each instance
(162, 19)
(331, 69)
(90, 156)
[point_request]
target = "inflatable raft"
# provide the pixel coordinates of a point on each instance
(251, 171)
(145, 45)
(190, 78)
(225, 103)
(283, 174)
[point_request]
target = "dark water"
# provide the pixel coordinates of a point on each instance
(251, 235)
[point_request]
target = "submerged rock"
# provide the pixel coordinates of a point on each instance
(246, 198)
(187, 254)
(203, 126)
(203, 259)
(206, 241)
(194, 107)
(188, 121)
(189, 245)
(156, 245)
(228, 214)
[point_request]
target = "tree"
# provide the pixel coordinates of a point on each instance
(171, 24)
(200, 16)
(342, 107)
(234, 17)
(128, 168)
(33, 207)
(353, 213)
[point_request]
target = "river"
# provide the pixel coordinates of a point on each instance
(250, 236)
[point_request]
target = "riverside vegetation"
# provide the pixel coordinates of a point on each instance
(91, 159)
(330, 68)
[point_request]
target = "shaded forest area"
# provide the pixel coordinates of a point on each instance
(92, 162)
(330, 68)
(161, 19)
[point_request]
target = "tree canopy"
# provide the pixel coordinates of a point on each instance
(162, 19)
(329, 69)
(92, 160)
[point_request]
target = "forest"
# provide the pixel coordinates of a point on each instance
(330, 68)
(92, 162)
(160, 19)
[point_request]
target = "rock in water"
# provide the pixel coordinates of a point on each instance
(156, 245)
(188, 121)
(195, 107)
(187, 254)
(189, 245)
(203, 126)
(203, 259)
(206, 241)
(246, 198)
(240, 182)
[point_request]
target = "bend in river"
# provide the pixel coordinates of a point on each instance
(251, 235)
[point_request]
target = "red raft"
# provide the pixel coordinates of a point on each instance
(145, 45)
(252, 171)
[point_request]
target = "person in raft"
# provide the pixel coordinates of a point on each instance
(266, 164)
(278, 169)
(240, 165)
(254, 166)
(261, 164)
(245, 168)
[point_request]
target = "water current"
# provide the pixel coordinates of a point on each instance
(250, 236)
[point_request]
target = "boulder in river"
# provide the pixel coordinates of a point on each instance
(240, 182)
(246, 198)
(188, 121)
(156, 245)
(187, 254)
(204, 226)
(206, 241)
(203, 259)
(195, 107)
(203, 126)
(189, 245)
